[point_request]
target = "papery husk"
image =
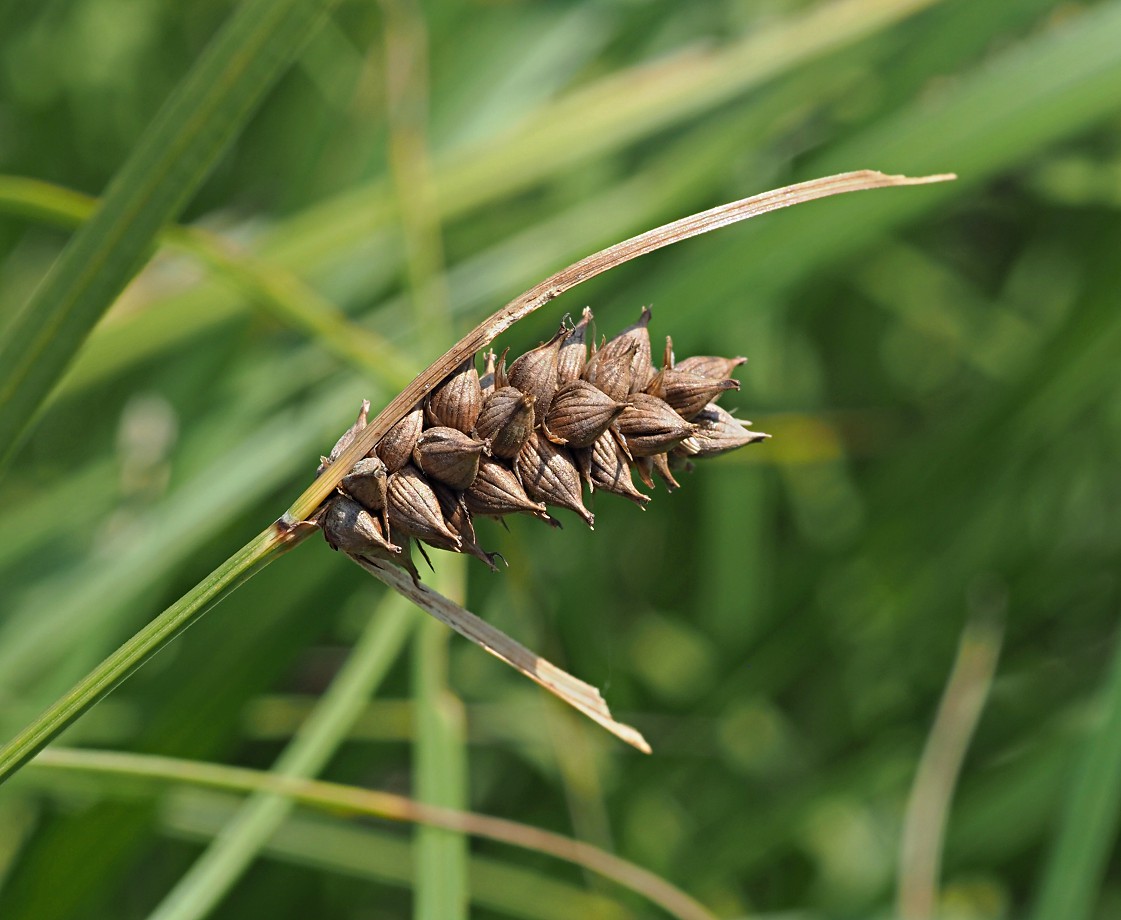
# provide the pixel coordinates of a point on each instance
(549, 475)
(349, 527)
(347, 437)
(448, 456)
(457, 401)
(716, 432)
(414, 508)
(396, 448)
(366, 484)
(496, 491)
(687, 393)
(580, 413)
(604, 466)
(649, 426)
(573, 354)
(486, 382)
(506, 421)
(535, 373)
(711, 366)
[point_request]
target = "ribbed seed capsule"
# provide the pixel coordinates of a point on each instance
(717, 432)
(496, 491)
(414, 508)
(549, 475)
(649, 426)
(580, 413)
(458, 520)
(347, 438)
(366, 484)
(613, 375)
(349, 527)
(457, 401)
(573, 353)
(633, 341)
(688, 393)
(710, 366)
(448, 455)
(506, 421)
(535, 373)
(396, 448)
(604, 466)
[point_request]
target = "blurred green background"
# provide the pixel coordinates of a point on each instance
(939, 367)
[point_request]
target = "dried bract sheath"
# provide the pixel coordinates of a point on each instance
(535, 373)
(366, 484)
(448, 455)
(649, 426)
(396, 448)
(496, 491)
(710, 366)
(351, 528)
(634, 341)
(717, 432)
(549, 475)
(486, 382)
(414, 508)
(688, 393)
(345, 441)
(573, 353)
(506, 421)
(580, 413)
(457, 401)
(604, 466)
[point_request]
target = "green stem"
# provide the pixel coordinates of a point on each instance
(115, 669)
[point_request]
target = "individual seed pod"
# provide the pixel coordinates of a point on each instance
(573, 353)
(612, 375)
(349, 527)
(366, 484)
(549, 475)
(649, 426)
(688, 393)
(496, 491)
(414, 508)
(535, 372)
(457, 401)
(396, 448)
(716, 432)
(486, 382)
(604, 466)
(635, 342)
(580, 413)
(347, 438)
(710, 366)
(506, 421)
(448, 455)
(459, 522)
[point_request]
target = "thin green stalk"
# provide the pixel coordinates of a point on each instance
(1090, 820)
(276, 290)
(115, 669)
(240, 841)
(170, 161)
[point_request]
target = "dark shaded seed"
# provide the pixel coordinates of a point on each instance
(448, 455)
(535, 373)
(396, 448)
(496, 491)
(573, 353)
(580, 413)
(604, 466)
(506, 421)
(549, 475)
(414, 508)
(366, 484)
(688, 393)
(457, 401)
(349, 527)
(710, 366)
(649, 426)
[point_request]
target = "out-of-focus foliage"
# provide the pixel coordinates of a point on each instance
(939, 367)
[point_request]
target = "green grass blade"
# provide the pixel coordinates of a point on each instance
(237, 844)
(1089, 824)
(169, 162)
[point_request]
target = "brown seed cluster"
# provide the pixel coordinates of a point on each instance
(527, 437)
